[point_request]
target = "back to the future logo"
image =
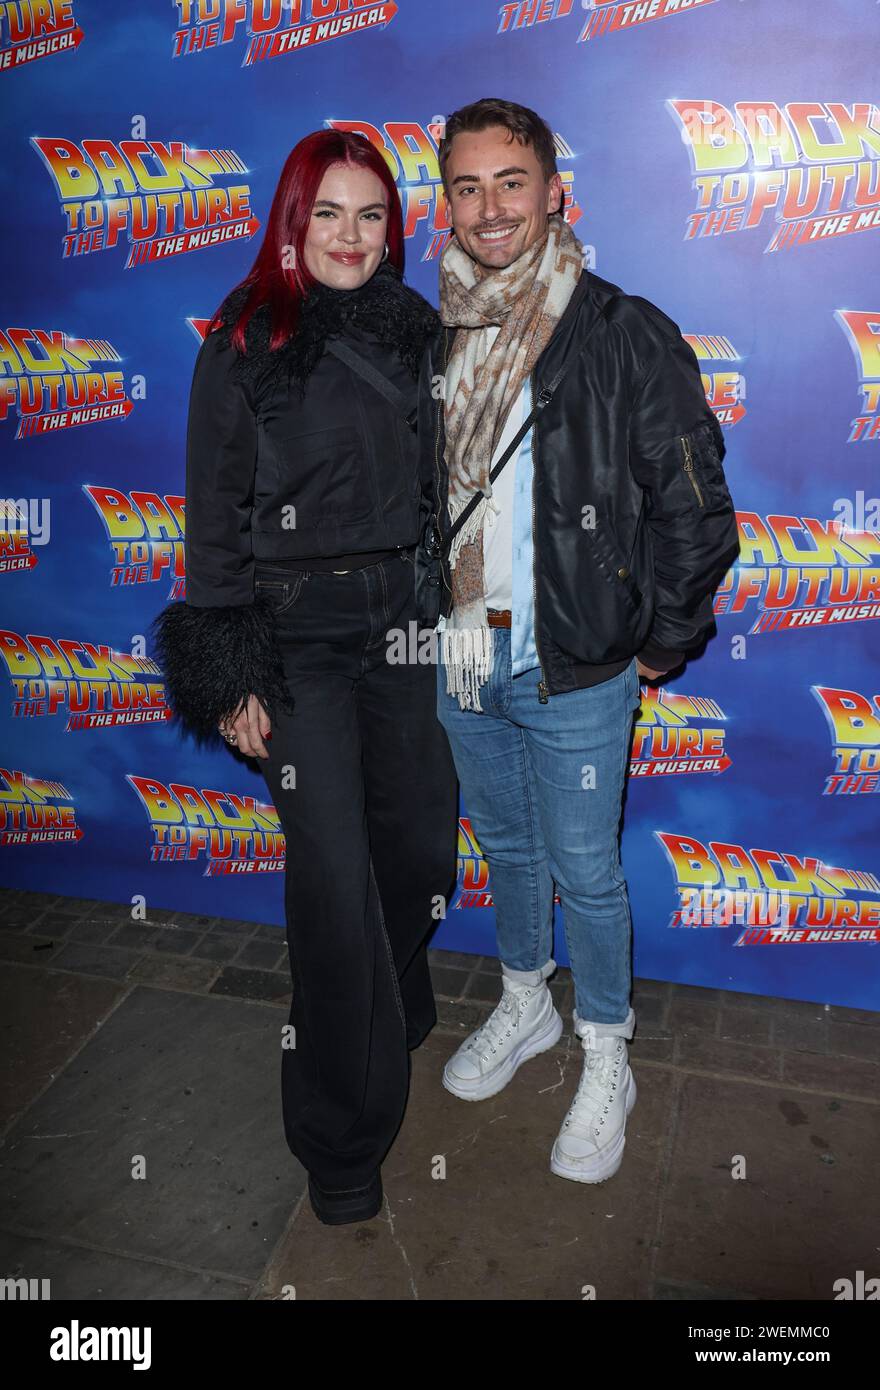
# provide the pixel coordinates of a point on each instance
(603, 17)
(853, 720)
(227, 832)
(55, 381)
(863, 334)
(34, 29)
(804, 572)
(164, 196)
(775, 897)
(274, 28)
(813, 165)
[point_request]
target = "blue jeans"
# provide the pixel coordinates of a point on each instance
(540, 815)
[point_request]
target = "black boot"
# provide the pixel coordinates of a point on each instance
(337, 1207)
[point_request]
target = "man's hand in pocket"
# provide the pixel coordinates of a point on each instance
(648, 673)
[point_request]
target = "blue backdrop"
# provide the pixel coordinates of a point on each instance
(143, 145)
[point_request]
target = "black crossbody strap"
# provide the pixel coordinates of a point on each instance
(376, 379)
(545, 395)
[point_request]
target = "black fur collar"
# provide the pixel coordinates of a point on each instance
(384, 309)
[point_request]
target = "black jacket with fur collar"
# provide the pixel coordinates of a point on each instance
(289, 455)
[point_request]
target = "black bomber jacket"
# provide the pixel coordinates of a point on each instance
(633, 523)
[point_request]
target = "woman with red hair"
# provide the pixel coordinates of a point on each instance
(303, 507)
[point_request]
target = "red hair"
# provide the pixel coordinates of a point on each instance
(281, 287)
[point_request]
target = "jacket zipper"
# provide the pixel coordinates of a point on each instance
(689, 467)
(543, 692)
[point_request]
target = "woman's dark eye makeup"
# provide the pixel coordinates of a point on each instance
(328, 212)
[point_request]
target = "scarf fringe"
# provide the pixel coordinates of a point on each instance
(473, 526)
(468, 656)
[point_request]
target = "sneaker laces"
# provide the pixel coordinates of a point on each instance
(497, 1024)
(594, 1094)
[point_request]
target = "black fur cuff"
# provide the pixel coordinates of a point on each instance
(214, 658)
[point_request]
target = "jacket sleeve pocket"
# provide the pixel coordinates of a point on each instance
(703, 448)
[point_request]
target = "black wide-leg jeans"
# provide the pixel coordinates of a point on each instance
(363, 781)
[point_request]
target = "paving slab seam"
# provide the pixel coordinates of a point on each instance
(125, 991)
(126, 988)
(773, 1084)
(58, 1238)
(127, 984)
(262, 1285)
(745, 1078)
(665, 1167)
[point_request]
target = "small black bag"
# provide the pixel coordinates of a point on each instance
(429, 572)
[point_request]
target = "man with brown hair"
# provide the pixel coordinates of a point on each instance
(591, 562)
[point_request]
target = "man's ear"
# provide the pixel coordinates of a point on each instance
(554, 200)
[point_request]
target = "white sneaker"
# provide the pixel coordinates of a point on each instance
(589, 1146)
(523, 1024)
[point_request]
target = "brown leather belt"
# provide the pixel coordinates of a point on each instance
(498, 617)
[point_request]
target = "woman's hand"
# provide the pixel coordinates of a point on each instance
(250, 727)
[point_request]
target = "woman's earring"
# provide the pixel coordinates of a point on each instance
(385, 253)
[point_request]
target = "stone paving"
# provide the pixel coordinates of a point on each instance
(143, 1157)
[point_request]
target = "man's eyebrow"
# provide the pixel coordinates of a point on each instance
(327, 203)
(502, 174)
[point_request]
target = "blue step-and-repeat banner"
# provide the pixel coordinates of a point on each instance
(720, 158)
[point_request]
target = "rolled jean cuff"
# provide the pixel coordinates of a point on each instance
(529, 977)
(607, 1030)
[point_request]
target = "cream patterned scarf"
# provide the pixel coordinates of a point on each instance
(526, 300)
